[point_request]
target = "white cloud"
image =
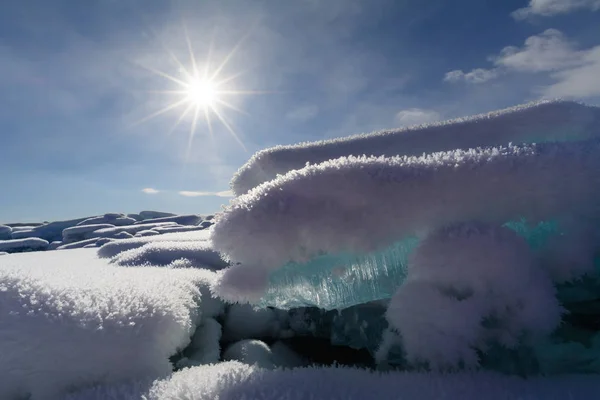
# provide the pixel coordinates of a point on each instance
(478, 75)
(303, 113)
(416, 116)
(150, 191)
(546, 8)
(576, 72)
(188, 193)
(548, 51)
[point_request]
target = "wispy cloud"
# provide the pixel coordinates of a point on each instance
(150, 191)
(575, 72)
(416, 116)
(187, 193)
(478, 75)
(547, 8)
(303, 113)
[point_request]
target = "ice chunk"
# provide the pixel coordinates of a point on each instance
(349, 214)
(110, 219)
(534, 122)
(104, 324)
(5, 232)
(251, 352)
(3, 253)
(77, 233)
(148, 232)
(51, 231)
(78, 245)
(23, 245)
(174, 229)
(55, 245)
(130, 229)
(235, 380)
(155, 214)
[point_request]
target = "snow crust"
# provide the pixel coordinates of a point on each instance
(534, 122)
(101, 324)
(364, 204)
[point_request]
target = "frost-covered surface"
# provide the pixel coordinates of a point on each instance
(236, 381)
(365, 204)
(534, 122)
(102, 324)
(22, 245)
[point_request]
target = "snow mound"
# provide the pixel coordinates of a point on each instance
(103, 324)
(535, 122)
(235, 380)
(51, 231)
(361, 205)
(23, 245)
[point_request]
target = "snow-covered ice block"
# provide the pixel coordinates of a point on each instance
(23, 245)
(251, 352)
(173, 229)
(155, 214)
(5, 232)
(197, 254)
(70, 320)
(51, 231)
(534, 122)
(110, 218)
(113, 248)
(191, 219)
(355, 214)
(234, 380)
(77, 233)
(78, 245)
(55, 245)
(3, 253)
(130, 229)
(148, 232)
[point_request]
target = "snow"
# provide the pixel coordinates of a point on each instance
(364, 204)
(148, 232)
(250, 351)
(534, 122)
(235, 380)
(78, 245)
(51, 231)
(205, 347)
(20, 245)
(77, 233)
(110, 219)
(101, 323)
(154, 214)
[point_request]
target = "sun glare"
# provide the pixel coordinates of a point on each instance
(201, 92)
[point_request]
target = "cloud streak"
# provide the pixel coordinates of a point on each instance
(548, 8)
(187, 193)
(150, 191)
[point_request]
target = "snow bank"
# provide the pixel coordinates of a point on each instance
(22, 245)
(130, 229)
(529, 123)
(365, 204)
(77, 233)
(100, 323)
(5, 232)
(234, 380)
(191, 219)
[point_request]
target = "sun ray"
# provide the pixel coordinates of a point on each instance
(229, 128)
(192, 131)
(230, 106)
(164, 75)
(161, 111)
(181, 117)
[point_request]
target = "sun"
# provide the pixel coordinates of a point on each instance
(201, 91)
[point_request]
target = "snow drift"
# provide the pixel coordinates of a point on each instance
(70, 320)
(535, 122)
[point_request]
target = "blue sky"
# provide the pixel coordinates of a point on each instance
(76, 78)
